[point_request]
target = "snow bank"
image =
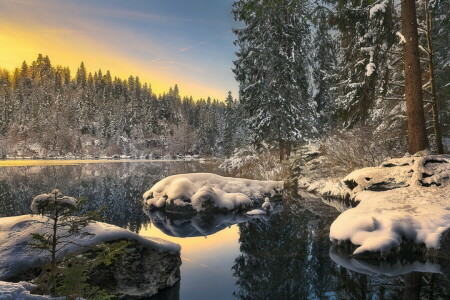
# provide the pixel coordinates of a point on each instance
(198, 192)
(16, 254)
(403, 199)
(19, 291)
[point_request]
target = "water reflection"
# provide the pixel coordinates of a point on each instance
(392, 267)
(186, 225)
(119, 186)
(282, 256)
(286, 257)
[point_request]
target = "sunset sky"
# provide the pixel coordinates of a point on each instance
(164, 42)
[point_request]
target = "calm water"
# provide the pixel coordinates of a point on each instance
(287, 255)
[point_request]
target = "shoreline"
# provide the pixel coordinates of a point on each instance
(27, 162)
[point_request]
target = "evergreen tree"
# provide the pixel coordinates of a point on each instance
(272, 71)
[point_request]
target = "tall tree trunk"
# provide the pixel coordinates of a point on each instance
(417, 136)
(281, 146)
(413, 285)
(434, 100)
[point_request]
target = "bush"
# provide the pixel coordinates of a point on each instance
(349, 149)
(260, 164)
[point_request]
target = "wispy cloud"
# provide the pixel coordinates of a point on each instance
(109, 37)
(185, 49)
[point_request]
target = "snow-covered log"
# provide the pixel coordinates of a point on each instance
(205, 192)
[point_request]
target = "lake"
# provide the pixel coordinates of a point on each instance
(287, 255)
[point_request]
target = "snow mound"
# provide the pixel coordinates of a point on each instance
(17, 255)
(19, 291)
(199, 192)
(403, 199)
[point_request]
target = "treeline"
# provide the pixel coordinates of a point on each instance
(45, 112)
(307, 68)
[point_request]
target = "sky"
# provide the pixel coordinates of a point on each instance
(164, 42)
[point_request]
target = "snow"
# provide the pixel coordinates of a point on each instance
(370, 68)
(43, 199)
(379, 7)
(197, 190)
(16, 254)
(403, 199)
(256, 212)
(19, 291)
(267, 206)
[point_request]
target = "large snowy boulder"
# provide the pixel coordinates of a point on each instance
(205, 192)
(406, 199)
(150, 264)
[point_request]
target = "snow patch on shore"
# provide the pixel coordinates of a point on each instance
(19, 291)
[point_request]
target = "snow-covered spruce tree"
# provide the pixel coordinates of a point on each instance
(323, 62)
(58, 212)
(425, 25)
(272, 68)
(230, 125)
(440, 33)
(366, 34)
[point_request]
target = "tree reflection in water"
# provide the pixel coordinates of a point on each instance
(284, 256)
(287, 257)
(118, 186)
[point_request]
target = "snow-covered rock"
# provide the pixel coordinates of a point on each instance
(200, 192)
(405, 199)
(162, 258)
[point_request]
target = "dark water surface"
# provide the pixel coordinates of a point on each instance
(287, 255)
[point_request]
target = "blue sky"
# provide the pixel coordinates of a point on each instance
(188, 42)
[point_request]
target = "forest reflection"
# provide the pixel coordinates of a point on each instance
(288, 257)
(285, 255)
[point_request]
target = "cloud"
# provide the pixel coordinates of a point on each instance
(70, 32)
(185, 49)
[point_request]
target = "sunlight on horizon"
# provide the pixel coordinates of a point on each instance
(124, 41)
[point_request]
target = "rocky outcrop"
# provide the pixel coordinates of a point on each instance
(418, 171)
(147, 266)
(403, 204)
(140, 272)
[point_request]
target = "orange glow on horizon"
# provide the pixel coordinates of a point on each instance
(70, 48)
